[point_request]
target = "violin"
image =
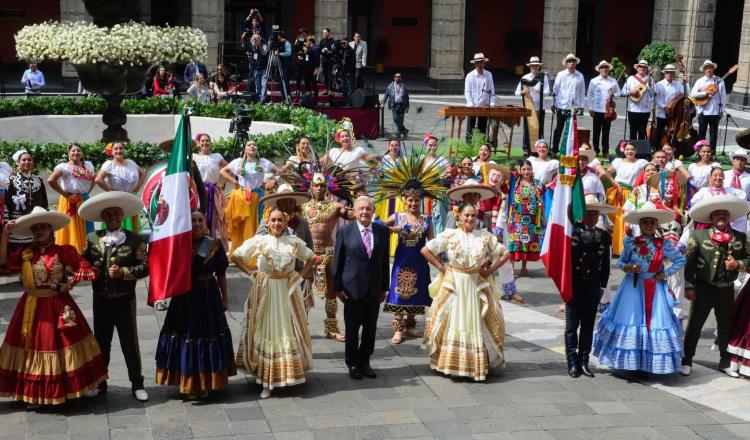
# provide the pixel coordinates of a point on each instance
(609, 108)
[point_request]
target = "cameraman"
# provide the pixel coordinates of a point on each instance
(326, 58)
(254, 23)
(300, 58)
(284, 52)
(257, 62)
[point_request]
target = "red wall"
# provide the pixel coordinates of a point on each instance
(626, 31)
(407, 45)
(304, 16)
(35, 12)
(495, 19)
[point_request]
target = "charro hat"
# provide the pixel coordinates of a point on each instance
(471, 186)
(737, 208)
(38, 216)
(603, 63)
(592, 204)
(649, 210)
(708, 63)
(642, 63)
(92, 208)
(591, 154)
(166, 145)
(479, 56)
(570, 56)
(285, 191)
(669, 68)
(534, 61)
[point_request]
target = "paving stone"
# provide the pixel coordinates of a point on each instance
(210, 429)
(282, 424)
(294, 435)
(130, 433)
(249, 427)
(609, 408)
(242, 414)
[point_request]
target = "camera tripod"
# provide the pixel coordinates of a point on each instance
(275, 62)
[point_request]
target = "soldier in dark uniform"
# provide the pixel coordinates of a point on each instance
(715, 256)
(590, 248)
(119, 258)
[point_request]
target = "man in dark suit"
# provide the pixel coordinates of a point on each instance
(361, 281)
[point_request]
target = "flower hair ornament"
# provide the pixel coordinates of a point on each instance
(17, 155)
(108, 149)
(427, 137)
(200, 134)
(540, 142)
(700, 144)
(337, 135)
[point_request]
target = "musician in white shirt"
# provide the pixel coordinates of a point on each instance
(601, 90)
(535, 66)
(479, 90)
(667, 90)
(570, 95)
(709, 115)
(638, 110)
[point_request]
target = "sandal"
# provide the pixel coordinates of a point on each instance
(518, 299)
(398, 331)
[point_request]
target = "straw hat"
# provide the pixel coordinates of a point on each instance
(570, 56)
(603, 63)
(285, 191)
(534, 61)
(92, 208)
(669, 68)
(708, 63)
(701, 211)
(479, 56)
(591, 154)
(641, 63)
(649, 210)
(504, 170)
(39, 215)
(471, 186)
(655, 180)
(592, 204)
(166, 145)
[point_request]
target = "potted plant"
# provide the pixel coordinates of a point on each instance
(658, 54)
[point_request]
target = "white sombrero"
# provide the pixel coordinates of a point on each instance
(603, 63)
(534, 61)
(92, 208)
(708, 63)
(570, 56)
(739, 152)
(39, 215)
(592, 204)
(649, 210)
(669, 68)
(701, 211)
(641, 63)
(471, 186)
(479, 56)
(285, 191)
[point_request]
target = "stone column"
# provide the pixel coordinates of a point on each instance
(332, 14)
(447, 58)
(559, 33)
(689, 27)
(740, 96)
(70, 11)
(208, 16)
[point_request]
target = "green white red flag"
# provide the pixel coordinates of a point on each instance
(568, 206)
(171, 236)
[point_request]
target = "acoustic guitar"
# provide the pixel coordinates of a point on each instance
(637, 94)
(712, 88)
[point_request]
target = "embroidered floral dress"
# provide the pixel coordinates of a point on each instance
(75, 180)
(49, 354)
(525, 224)
(275, 345)
(410, 277)
(639, 330)
(466, 331)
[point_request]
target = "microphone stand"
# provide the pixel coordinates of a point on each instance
(727, 118)
(541, 104)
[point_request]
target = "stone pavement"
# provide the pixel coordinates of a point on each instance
(531, 398)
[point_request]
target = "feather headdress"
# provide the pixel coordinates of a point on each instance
(339, 181)
(411, 175)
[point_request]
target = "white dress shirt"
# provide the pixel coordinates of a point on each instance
(644, 105)
(570, 90)
(744, 181)
(534, 91)
(666, 92)
(716, 104)
(598, 93)
(592, 184)
(30, 78)
(479, 90)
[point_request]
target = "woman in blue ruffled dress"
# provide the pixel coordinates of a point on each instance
(639, 331)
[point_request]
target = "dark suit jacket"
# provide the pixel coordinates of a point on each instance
(355, 274)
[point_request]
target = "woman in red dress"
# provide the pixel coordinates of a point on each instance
(49, 354)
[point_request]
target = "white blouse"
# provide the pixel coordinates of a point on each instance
(209, 166)
(275, 254)
(75, 179)
(5, 171)
(346, 159)
(544, 171)
(627, 172)
(592, 184)
(699, 174)
(466, 251)
(254, 173)
(121, 177)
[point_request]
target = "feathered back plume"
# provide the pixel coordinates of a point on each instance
(411, 174)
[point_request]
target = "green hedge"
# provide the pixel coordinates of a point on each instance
(277, 145)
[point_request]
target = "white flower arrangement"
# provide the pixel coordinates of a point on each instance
(134, 44)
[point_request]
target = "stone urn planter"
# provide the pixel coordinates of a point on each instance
(113, 83)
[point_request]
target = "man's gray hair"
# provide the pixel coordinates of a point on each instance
(367, 199)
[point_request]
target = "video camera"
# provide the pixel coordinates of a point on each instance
(241, 121)
(273, 40)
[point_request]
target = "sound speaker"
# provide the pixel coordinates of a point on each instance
(357, 98)
(642, 148)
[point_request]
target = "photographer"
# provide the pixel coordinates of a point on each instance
(327, 47)
(257, 62)
(300, 58)
(253, 23)
(284, 52)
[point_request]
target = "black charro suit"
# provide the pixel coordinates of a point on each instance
(363, 279)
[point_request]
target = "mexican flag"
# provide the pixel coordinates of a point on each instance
(171, 237)
(568, 205)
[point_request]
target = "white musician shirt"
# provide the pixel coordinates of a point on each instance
(479, 90)
(666, 92)
(644, 105)
(598, 93)
(534, 91)
(570, 90)
(716, 104)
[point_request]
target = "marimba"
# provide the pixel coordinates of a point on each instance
(510, 115)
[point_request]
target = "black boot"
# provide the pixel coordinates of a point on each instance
(574, 367)
(583, 359)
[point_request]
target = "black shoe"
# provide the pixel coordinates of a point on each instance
(367, 371)
(574, 368)
(355, 373)
(583, 360)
